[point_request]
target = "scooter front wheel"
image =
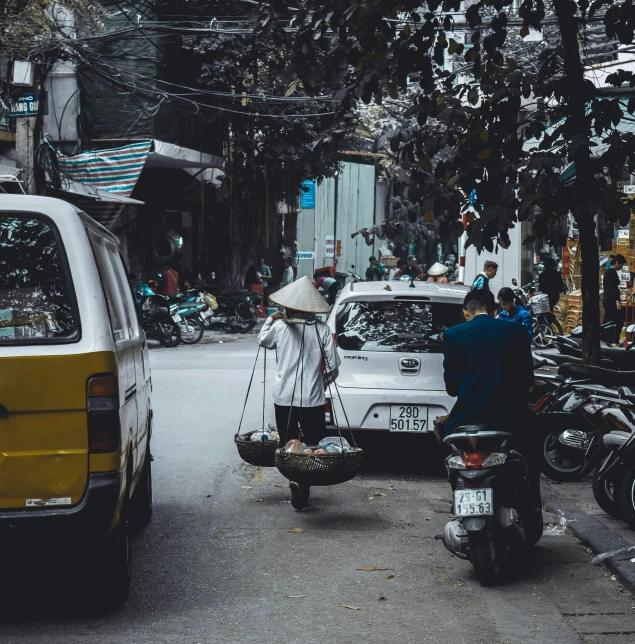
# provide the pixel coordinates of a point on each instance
(191, 330)
(169, 334)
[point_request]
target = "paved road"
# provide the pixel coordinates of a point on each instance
(219, 565)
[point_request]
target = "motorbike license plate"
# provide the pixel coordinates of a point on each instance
(408, 418)
(473, 503)
(176, 317)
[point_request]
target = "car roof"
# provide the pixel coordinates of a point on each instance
(450, 293)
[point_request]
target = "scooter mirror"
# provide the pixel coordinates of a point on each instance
(515, 281)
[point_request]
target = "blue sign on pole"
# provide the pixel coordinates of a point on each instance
(307, 197)
(25, 105)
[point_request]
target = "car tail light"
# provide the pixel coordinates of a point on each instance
(102, 404)
(474, 460)
(328, 412)
(541, 402)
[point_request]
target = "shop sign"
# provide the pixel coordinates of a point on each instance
(307, 196)
(629, 189)
(305, 254)
(329, 246)
(25, 105)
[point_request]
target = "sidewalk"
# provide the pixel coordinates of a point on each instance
(574, 503)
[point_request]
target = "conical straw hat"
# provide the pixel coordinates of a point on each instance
(302, 296)
(437, 269)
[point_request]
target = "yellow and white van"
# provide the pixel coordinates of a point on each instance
(75, 411)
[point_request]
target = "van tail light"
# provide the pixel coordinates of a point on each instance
(102, 404)
(328, 412)
(541, 402)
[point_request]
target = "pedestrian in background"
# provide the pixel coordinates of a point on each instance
(410, 269)
(611, 300)
(170, 281)
(437, 273)
(481, 281)
(375, 272)
(511, 312)
(550, 282)
(265, 278)
(287, 272)
(328, 285)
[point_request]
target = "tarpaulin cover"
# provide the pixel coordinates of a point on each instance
(114, 171)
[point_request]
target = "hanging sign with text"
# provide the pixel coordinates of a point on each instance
(25, 105)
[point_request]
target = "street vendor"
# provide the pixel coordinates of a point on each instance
(302, 344)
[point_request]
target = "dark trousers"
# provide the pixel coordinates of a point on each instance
(613, 314)
(310, 419)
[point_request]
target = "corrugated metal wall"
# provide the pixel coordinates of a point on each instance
(356, 192)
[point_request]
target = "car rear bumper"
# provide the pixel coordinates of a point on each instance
(92, 515)
(368, 410)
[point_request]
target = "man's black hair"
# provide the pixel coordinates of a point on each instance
(479, 301)
(506, 294)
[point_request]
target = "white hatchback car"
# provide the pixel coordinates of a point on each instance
(389, 338)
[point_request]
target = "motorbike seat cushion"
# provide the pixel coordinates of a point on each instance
(597, 375)
(480, 427)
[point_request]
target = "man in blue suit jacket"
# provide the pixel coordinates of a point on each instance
(488, 366)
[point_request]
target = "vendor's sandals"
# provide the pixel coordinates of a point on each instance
(297, 500)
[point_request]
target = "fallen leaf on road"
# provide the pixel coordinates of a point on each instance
(350, 607)
(382, 599)
(209, 496)
(390, 577)
(246, 487)
(371, 568)
(296, 530)
(379, 494)
(428, 519)
(280, 485)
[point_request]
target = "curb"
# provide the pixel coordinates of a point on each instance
(594, 534)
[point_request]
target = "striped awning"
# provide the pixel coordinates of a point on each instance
(113, 171)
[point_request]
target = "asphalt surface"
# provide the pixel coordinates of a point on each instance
(219, 565)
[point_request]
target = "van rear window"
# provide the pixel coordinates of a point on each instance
(414, 327)
(36, 301)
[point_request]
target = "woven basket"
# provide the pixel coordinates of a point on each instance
(319, 469)
(539, 304)
(262, 454)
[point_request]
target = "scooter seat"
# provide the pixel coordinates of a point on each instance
(615, 439)
(597, 375)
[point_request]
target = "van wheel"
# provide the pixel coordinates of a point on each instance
(141, 504)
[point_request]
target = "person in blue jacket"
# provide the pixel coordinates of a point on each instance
(488, 366)
(513, 312)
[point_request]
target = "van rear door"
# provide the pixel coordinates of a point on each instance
(43, 423)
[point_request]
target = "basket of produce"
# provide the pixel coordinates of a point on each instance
(331, 462)
(258, 447)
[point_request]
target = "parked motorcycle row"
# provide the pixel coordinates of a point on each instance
(586, 420)
(185, 317)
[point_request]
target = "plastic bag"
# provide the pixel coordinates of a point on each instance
(294, 446)
(332, 448)
(341, 442)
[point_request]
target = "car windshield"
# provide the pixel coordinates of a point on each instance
(395, 325)
(35, 300)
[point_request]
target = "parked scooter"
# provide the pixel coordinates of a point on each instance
(545, 328)
(491, 501)
(159, 320)
(566, 430)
